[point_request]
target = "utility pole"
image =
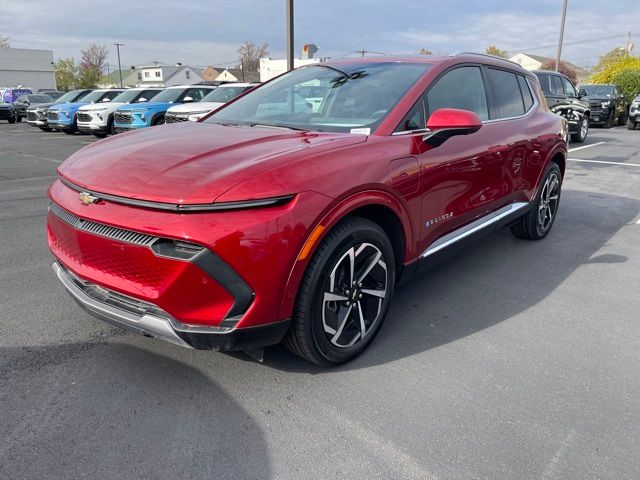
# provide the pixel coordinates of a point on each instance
(289, 34)
(118, 45)
(564, 16)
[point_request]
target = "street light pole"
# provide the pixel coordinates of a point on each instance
(564, 16)
(289, 34)
(118, 45)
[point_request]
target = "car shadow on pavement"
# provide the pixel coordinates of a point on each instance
(491, 282)
(111, 410)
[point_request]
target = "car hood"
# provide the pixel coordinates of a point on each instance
(35, 106)
(100, 106)
(196, 107)
(141, 107)
(68, 106)
(603, 98)
(190, 163)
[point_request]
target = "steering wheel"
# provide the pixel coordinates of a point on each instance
(378, 113)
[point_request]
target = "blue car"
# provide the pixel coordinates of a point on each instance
(64, 116)
(141, 115)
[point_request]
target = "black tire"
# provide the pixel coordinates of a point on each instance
(610, 120)
(532, 226)
(18, 119)
(69, 131)
(583, 130)
(46, 129)
(100, 134)
(631, 125)
(622, 119)
(157, 121)
(314, 315)
(11, 120)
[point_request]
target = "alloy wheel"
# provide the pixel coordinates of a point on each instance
(548, 202)
(354, 294)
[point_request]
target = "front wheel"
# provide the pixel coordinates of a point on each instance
(344, 294)
(11, 119)
(536, 224)
(583, 129)
(631, 125)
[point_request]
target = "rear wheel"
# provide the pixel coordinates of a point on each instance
(537, 223)
(11, 119)
(583, 129)
(622, 119)
(344, 294)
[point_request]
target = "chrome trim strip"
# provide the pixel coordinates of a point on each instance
(473, 227)
(179, 207)
(146, 324)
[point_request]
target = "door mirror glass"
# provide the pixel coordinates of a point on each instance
(187, 99)
(450, 122)
(142, 99)
(582, 93)
(106, 100)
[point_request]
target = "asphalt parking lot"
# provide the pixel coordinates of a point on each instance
(515, 360)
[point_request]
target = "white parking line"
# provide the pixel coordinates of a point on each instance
(585, 146)
(605, 163)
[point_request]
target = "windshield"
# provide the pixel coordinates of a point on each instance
(223, 94)
(72, 96)
(97, 95)
(40, 99)
(598, 89)
(325, 98)
(170, 95)
(131, 95)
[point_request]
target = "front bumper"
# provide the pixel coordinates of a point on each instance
(149, 320)
(235, 285)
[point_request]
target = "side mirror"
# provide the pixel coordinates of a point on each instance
(449, 122)
(187, 99)
(104, 100)
(582, 93)
(142, 99)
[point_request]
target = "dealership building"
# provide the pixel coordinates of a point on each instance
(27, 68)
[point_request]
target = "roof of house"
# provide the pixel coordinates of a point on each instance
(542, 59)
(243, 75)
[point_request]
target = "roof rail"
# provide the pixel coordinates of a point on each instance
(485, 55)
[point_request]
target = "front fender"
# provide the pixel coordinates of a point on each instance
(338, 210)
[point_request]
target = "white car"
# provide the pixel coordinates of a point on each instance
(217, 98)
(97, 118)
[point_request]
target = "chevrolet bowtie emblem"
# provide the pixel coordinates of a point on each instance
(87, 198)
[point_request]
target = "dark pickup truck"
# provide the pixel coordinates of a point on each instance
(607, 104)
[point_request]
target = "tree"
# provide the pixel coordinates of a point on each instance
(92, 62)
(623, 72)
(563, 68)
(611, 57)
(4, 42)
(66, 73)
(250, 54)
(493, 50)
(424, 51)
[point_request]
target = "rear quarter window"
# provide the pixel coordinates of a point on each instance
(527, 97)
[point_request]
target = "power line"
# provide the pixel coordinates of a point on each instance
(575, 42)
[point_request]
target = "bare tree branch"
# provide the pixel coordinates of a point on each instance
(250, 54)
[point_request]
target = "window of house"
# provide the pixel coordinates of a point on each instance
(146, 75)
(188, 74)
(157, 74)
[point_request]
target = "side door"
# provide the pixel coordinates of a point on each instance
(618, 102)
(556, 96)
(460, 179)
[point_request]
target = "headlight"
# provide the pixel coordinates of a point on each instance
(66, 114)
(606, 104)
(635, 105)
(142, 117)
(99, 115)
(195, 117)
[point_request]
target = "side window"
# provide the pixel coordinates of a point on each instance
(112, 95)
(526, 93)
(545, 82)
(505, 90)
(195, 93)
(556, 85)
(414, 120)
(569, 89)
(461, 88)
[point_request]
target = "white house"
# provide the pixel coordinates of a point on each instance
(535, 62)
(168, 76)
(28, 68)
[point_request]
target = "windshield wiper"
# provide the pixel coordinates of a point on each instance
(283, 127)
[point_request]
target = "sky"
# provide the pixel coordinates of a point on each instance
(209, 32)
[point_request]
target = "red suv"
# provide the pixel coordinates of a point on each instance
(291, 213)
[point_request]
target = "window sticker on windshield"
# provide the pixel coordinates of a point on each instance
(361, 131)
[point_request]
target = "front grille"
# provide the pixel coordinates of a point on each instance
(51, 115)
(32, 116)
(123, 117)
(173, 118)
(101, 229)
(84, 117)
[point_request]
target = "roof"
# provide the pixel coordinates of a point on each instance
(238, 84)
(240, 74)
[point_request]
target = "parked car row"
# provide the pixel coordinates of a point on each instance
(113, 110)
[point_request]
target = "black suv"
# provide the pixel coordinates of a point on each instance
(634, 114)
(564, 100)
(607, 105)
(31, 99)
